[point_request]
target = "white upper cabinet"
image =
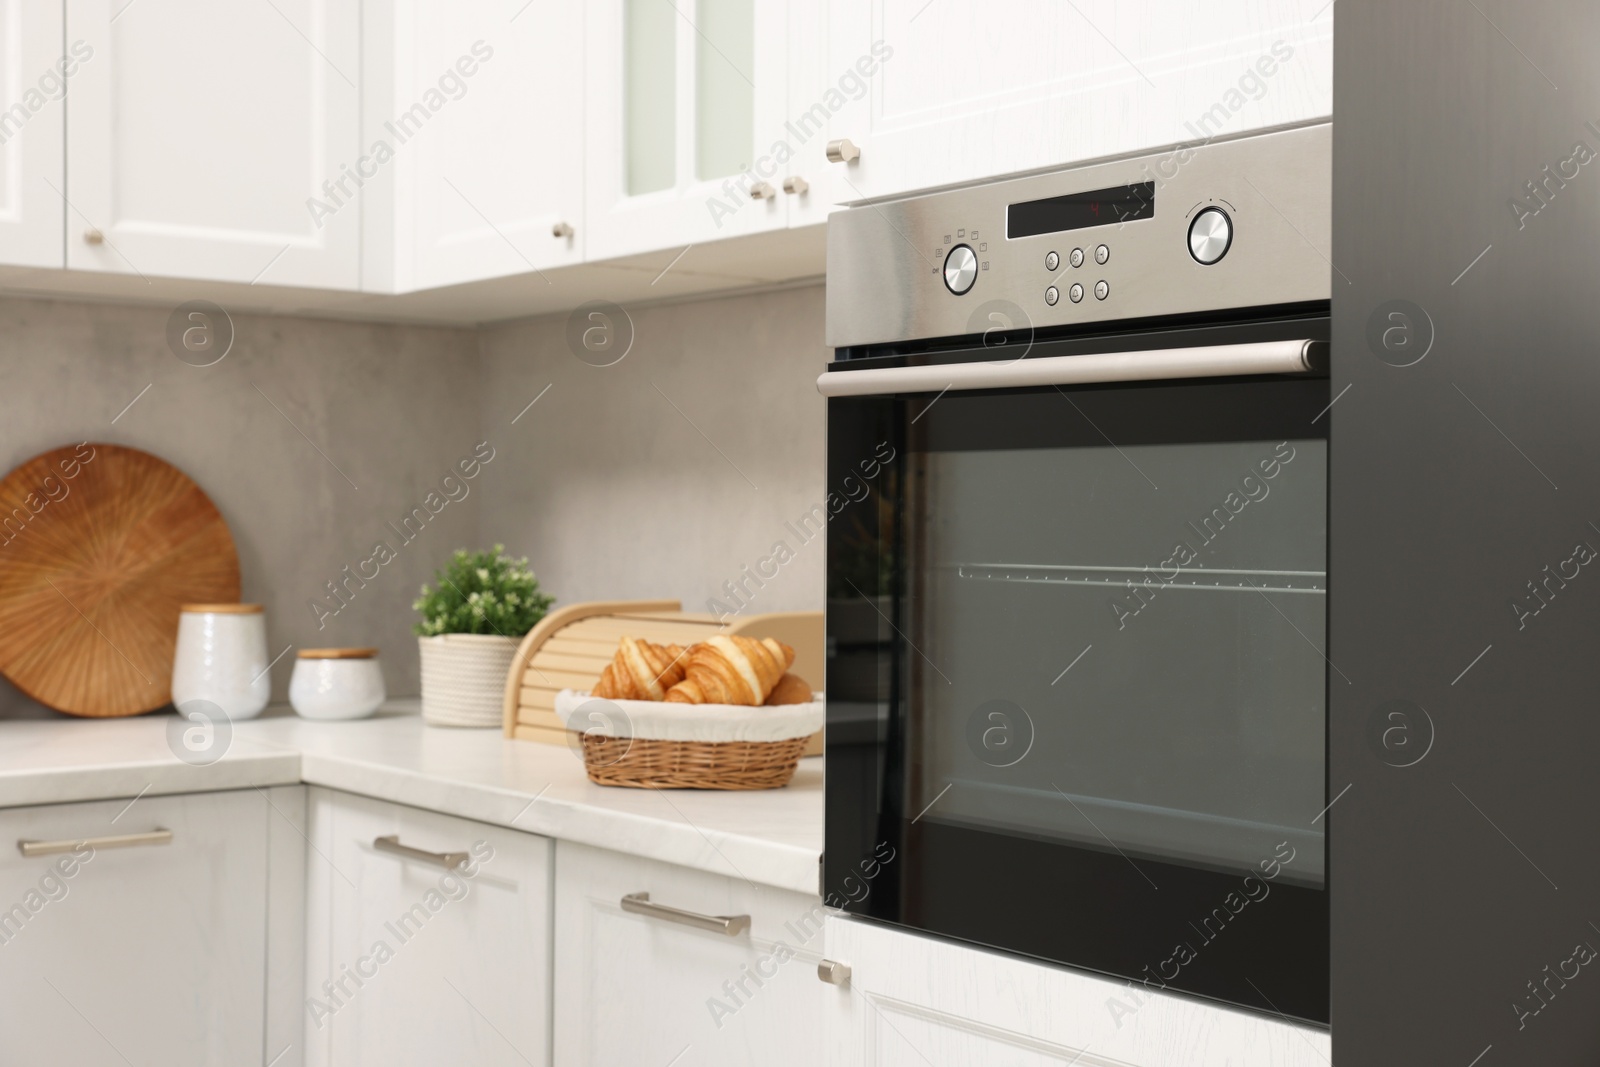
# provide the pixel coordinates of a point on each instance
(964, 90)
(217, 141)
(688, 139)
(35, 70)
(487, 124)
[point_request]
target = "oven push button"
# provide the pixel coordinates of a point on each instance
(1075, 294)
(1051, 296)
(1102, 254)
(1076, 259)
(1051, 261)
(1101, 289)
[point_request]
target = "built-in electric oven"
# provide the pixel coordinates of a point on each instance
(1077, 567)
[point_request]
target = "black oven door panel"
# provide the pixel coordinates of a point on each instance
(1076, 678)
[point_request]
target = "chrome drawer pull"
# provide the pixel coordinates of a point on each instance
(50, 848)
(448, 860)
(732, 925)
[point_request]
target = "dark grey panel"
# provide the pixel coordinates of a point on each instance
(1463, 864)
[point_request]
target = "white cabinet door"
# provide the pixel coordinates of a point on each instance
(147, 953)
(34, 74)
(686, 108)
(411, 962)
(913, 1001)
(964, 89)
(636, 989)
(217, 141)
(488, 129)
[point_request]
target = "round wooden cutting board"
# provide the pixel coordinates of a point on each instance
(100, 545)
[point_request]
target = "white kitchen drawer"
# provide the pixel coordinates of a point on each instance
(408, 962)
(150, 954)
(636, 990)
(913, 1001)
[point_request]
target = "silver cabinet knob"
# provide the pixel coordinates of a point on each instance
(94, 237)
(843, 151)
(561, 229)
(797, 186)
(833, 972)
(762, 191)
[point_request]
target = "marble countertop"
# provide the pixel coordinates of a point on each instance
(772, 837)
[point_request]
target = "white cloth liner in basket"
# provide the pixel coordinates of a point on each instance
(659, 721)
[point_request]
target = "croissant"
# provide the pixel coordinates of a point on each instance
(732, 670)
(791, 689)
(641, 671)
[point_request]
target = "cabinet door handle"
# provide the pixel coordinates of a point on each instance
(94, 237)
(762, 191)
(561, 229)
(843, 151)
(833, 972)
(732, 925)
(50, 848)
(796, 185)
(391, 843)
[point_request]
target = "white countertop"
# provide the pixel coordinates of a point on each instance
(772, 837)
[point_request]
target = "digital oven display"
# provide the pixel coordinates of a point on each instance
(1076, 211)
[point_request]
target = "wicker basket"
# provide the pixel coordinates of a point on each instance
(648, 764)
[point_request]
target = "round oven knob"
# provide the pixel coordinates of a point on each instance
(960, 269)
(1210, 235)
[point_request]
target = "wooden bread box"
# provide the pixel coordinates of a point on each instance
(571, 646)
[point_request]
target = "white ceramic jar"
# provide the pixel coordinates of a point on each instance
(336, 683)
(222, 658)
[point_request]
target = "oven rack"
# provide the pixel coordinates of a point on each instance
(1214, 579)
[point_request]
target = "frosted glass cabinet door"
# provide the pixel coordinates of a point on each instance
(147, 953)
(686, 137)
(34, 73)
(490, 182)
(961, 93)
(217, 141)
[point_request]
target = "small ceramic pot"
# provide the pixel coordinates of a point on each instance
(336, 683)
(222, 658)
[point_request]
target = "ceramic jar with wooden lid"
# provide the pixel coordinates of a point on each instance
(336, 683)
(222, 658)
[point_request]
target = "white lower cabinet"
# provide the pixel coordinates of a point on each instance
(149, 943)
(920, 1002)
(411, 961)
(649, 990)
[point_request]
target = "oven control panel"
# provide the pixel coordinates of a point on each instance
(1244, 223)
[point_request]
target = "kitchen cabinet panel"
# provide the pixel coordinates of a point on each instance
(150, 953)
(34, 73)
(217, 141)
(639, 989)
(490, 182)
(960, 91)
(912, 1001)
(686, 117)
(408, 962)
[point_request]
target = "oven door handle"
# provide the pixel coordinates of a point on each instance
(1212, 361)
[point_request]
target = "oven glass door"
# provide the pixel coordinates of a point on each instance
(1076, 685)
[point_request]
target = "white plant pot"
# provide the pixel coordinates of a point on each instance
(464, 678)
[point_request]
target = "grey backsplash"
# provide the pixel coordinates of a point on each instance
(664, 475)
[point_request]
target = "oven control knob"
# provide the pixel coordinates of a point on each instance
(1210, 235)
(960, 269)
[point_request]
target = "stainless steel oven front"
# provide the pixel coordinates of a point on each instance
(1077, 567)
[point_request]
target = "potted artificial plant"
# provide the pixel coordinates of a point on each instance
(480, 606)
